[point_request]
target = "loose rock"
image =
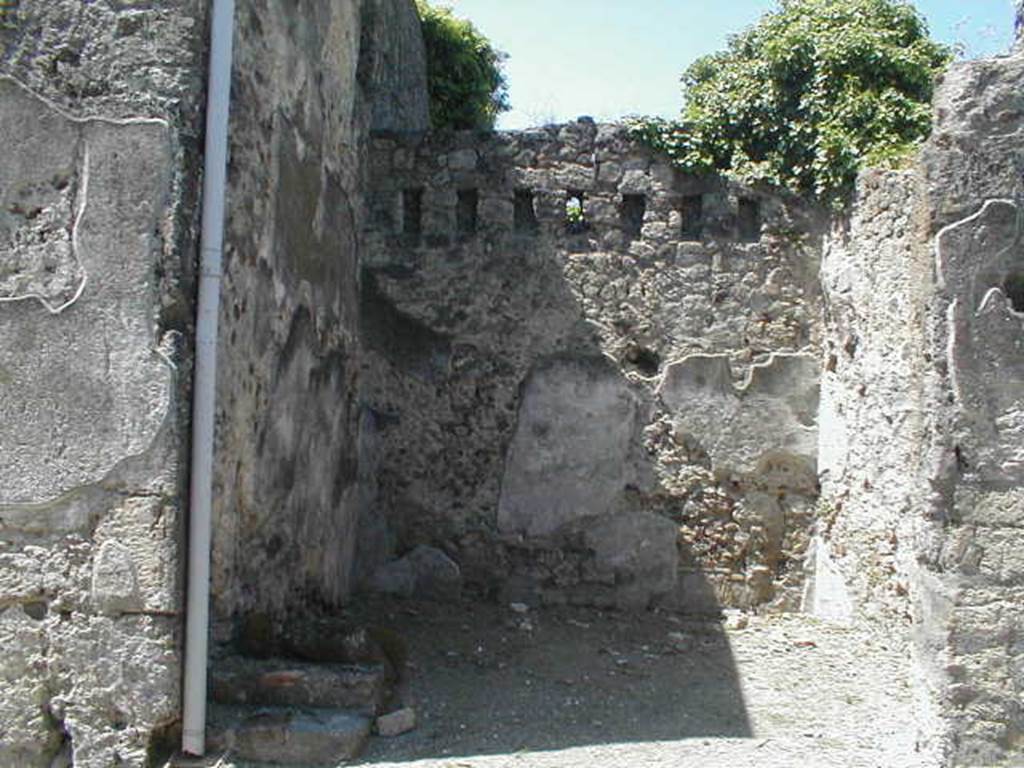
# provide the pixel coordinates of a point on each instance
(397, 723)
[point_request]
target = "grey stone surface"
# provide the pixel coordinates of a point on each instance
(425, 572)
(307, 88)
(872, 418)
(393, 65)
(396, 577)
(396, 723)
(29, 737)
(286, 423)
(282, 736)
(89, 423)
(978, 261)
(772, 414)
(919, 452)
(437, 575)
(98, 221)
(970, 582)
(99, 397)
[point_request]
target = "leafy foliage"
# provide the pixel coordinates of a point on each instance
(575, 218)
(464, 72)
(807, 96)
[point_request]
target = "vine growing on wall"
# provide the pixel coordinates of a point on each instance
(465, 78)
(807, 96)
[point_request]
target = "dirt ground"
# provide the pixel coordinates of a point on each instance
(579, 687)
(497, 685)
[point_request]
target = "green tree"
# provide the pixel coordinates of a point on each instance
(464, 72)
(814, 91)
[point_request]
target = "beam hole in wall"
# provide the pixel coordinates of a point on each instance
(412, 213)
(749, 220)
(118, 719)
(466, 208)
(36, 610)
(633, 209)
(691, 212)
(646, 361)
(575, 212)
(524, 215)
(1013, 287)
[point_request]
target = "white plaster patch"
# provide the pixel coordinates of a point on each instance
(826, 594)
(81, 387)
(773, 413)
(568, 456)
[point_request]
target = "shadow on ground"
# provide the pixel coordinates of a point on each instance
(488, 680)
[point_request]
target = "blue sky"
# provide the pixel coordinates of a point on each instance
(608, 58)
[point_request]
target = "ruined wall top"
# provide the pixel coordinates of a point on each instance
(586, 184)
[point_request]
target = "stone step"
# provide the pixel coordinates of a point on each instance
(239, 680)
(286, 735)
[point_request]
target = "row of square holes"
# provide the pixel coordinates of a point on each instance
(691, 209)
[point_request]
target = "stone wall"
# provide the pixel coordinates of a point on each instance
(99, 110)
(612, 408)
(876, 425)
(921, 413)
(307, 88)
(873, 421)
(972, 569)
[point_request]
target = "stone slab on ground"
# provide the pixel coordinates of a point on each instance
(285, 683)
(396, 723)
(425, 572)
(287, 736)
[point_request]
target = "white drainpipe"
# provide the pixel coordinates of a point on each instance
(197, 617)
